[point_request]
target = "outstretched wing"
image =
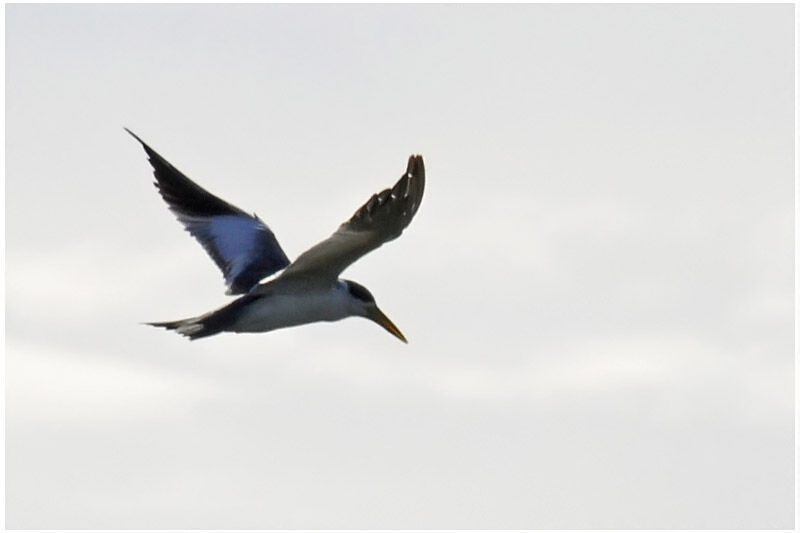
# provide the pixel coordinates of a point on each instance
(381, 219)
(241, 245)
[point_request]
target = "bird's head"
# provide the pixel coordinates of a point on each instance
(364, 305)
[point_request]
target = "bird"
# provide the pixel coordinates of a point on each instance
(305, 290)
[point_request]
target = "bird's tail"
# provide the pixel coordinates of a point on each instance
(210, 323)
(193, 328)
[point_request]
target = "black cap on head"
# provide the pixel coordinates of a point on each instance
(359, 292)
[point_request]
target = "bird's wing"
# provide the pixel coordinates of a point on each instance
(241, 245)
(383, 218)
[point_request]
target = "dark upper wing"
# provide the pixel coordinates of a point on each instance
(241, 245)
(381, 219)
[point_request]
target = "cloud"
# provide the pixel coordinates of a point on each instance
(680, 377)
(68, 387)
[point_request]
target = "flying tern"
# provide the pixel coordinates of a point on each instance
(245, 249)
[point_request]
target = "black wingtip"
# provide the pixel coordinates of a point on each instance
(416, 167)
(151, 154)
(133, 134)
(144, 144)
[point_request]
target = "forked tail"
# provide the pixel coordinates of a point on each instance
(210, 323)
(193, 328)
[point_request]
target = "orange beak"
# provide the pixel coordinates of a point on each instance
(377, 316)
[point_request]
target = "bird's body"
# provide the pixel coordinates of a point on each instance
(279, 303)
(308, 289)
(278, 306)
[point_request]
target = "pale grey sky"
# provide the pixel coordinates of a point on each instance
(597, 290)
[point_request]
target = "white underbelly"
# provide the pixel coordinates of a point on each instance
(280, 311)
